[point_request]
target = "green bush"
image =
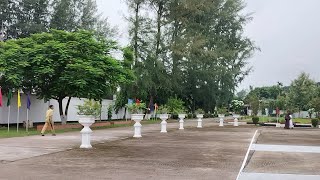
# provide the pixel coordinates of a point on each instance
(208, 115)
(136, 108)
(255, 120)
(199, 111)
(315, 122)
(175, 106)
(163, 110)
(89, 107)
(190, 116)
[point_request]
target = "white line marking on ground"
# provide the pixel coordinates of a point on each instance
(246, 157)
(285, 148)
(268, 176)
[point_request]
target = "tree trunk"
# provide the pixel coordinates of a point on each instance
(67, 107)
(61, 110)
(63, 117)
(125, 113)
(136, 29)
(159, 12)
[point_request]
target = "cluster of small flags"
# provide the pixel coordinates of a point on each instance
(9, 97)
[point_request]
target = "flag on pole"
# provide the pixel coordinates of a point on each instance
(19, 100)
(28, 101)
(0, 98)
(9, 98)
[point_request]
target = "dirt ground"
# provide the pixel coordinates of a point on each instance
(207, 153)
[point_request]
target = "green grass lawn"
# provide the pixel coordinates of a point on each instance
(263, 119)
(32, 131)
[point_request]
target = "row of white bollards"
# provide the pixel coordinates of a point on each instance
(88, 121)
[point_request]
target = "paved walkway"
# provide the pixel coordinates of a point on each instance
(268, 176)
(288, 155)
(12, 149)
(285, 148)
(207, 153)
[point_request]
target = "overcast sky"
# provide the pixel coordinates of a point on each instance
(287, 32)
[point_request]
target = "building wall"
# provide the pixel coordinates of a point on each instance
(39, 108)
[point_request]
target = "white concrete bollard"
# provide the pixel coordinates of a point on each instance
(137, 126)
(86, 132)
(221, 116)
(181, 117)
(236, 121)
(164, 123)
(199, 116)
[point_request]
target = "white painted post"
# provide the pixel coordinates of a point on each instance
(221, 116)
(181, 117)
(137, 126)
(199, 116)
(86, 132)
(137, 130)
(236, 121)
(164, 123)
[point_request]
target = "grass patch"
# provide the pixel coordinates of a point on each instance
(33, 131)
(264, 119)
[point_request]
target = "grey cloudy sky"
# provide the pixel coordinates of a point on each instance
(287, 32)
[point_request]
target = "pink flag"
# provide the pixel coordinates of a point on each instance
(0, 98)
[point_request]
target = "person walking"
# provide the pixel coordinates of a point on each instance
(49, 121)
(287, 118)
(291, 126)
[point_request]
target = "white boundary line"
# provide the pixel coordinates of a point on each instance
(246, 157)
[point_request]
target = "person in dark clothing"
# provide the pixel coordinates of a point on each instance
(287, 118)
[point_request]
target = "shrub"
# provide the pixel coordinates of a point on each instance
(273, 115)
(136, 108)
(190, 116)
(222, 110)
(199, 111)
(315, 122)
(175, 106)
(163, 110)
(237, 106)
(255, 119)
(90, 108)
(207, 115)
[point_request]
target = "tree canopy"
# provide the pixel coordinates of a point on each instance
(193, 50)
(62, 64)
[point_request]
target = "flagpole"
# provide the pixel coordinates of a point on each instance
(9, 118)
(27, 122)
(18, 119)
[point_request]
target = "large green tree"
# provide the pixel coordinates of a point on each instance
(62, 64)
(190, 49)
(301, 91)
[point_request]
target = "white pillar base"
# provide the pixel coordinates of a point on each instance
(181, 124)
(221, 122)
(199, 123)
(164, 123)
(86, 131)
(137, 126)
(236, 122)
(137, 130)
(163, 126)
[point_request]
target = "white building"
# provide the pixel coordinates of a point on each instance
(39, 108)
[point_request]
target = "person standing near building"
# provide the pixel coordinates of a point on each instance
(49, 121)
